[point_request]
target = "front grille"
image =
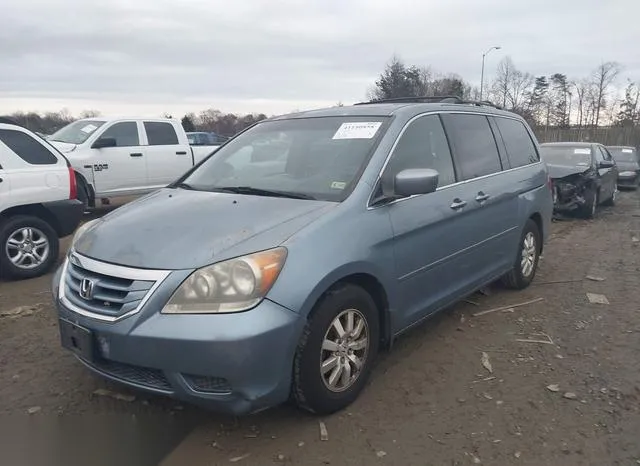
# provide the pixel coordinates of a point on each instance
(203, 383)
(138, 375)
(111, 296)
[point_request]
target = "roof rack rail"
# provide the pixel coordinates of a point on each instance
(445, 99)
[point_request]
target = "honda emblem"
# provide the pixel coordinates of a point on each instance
(86, 289)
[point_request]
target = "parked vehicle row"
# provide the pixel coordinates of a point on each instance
(126, 156)
(38, 202)
(280, 266)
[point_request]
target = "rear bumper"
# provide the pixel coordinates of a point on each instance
(67, 215)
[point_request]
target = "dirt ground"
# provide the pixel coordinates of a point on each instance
(567, 395)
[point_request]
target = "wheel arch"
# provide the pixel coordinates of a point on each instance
(34, 210)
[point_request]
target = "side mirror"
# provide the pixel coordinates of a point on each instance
(415, 181)
(104, 142)
(606, 164)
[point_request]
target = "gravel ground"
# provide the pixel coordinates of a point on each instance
(567, 396)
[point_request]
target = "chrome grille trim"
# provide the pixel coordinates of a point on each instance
(116, 271)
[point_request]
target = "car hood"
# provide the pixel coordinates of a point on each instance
(627, 166)
(63, 147)
(175, 229)
(561, 171)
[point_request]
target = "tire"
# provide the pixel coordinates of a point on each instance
(33, 235)
(588, 210)
(521, 276)
(311, 389)
(612, 200)
(83, 193)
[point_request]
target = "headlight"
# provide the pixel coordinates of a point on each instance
(230, 286)
(81, 230)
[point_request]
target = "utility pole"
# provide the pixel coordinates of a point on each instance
(482, 74)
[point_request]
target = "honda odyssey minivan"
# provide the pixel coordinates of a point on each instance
(281, 265)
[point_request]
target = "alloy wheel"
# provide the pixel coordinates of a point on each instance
(27, 248)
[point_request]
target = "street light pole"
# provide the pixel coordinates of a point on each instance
(482, 74)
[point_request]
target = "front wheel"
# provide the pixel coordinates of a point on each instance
(588, 210)
(612, 200)
(28, 247)
(336, 351)
(526, 264)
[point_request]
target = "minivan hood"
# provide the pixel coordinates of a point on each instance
(175, 229)
(560, 171)
(63, 147)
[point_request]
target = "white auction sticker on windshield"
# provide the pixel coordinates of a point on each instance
(627, 151)
(88, 128)
(357, 130)
(582, 151)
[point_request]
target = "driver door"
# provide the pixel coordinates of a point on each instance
(121, 168)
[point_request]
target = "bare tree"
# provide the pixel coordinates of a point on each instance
(501, 84)
(90, 114)
(602, 79)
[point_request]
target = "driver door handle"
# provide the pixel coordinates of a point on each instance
(481, 197)
(458, 204)
(136, 154)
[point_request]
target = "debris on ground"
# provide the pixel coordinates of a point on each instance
(486, 363)
(517, 454)
(239, 458)
(300, 444)
(34, 409)
(595, 278)
(487, 379)
(381, 454)
(468, 301)
(553, 388)
(548, 341)
(485, 291)
(595, 298)
(570, 396)
(114, 395)
(21, 311)
(634, 239)
(487, 396)
(507, 308)
(281, 457)
(324, 434)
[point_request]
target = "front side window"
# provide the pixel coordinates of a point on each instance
(319, 158)
(160, 133)
(422, 145)
(76, 132)
(476, 152)
(520, 148)
(125, 134)
(27, 148)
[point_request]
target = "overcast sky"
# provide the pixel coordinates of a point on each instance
(147, 57)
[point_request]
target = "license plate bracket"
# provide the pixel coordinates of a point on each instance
(77, 339)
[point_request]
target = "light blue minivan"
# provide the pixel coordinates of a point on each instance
(282, 264)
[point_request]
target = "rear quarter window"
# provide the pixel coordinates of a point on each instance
(27, 148)
(520, 148)
(160, 133)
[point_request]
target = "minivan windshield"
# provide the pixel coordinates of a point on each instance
(76, 132)
(309, 158)
(623, 154)
(566, 155)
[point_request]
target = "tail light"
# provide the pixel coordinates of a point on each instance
(73, 185)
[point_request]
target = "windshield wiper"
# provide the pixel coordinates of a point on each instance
(262, 192)
(184, 186)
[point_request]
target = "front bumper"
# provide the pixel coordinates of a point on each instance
(67, 215)
(233, 363)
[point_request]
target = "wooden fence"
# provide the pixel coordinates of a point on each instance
(607, 135)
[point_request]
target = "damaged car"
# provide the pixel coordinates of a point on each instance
(628, 162)
(584, 176)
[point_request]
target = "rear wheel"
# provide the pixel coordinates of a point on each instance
(526, 263)
(28, 247)
(336, 351)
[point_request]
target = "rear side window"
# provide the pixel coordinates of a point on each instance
(520, 147)
(27, 148)
(422, 145)
(125, 134)
(476, 152)
(160, 133)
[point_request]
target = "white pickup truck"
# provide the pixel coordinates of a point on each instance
(126, 156)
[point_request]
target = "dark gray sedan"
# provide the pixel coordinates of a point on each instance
(584, 176)
(627, 159)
